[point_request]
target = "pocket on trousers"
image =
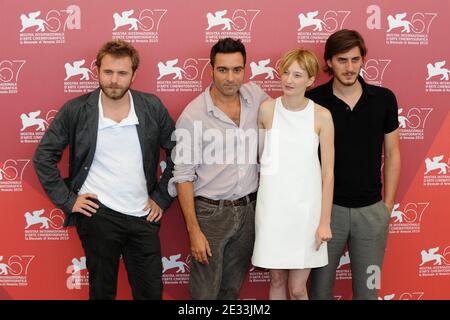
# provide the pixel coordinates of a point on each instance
(205, 210)
(154, 225)
(386, 209)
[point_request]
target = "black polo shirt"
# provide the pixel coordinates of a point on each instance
(359, 136)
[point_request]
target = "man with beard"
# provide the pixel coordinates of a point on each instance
(365, 118)
(112, 195)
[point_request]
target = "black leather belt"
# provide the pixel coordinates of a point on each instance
(238, 202)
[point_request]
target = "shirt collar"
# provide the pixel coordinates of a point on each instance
(367, 90)
(211, 107)
(130, 120)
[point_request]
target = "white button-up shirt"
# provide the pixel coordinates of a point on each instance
(116, 175)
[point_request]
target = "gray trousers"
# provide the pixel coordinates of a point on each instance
(364, 230)
(230, 231)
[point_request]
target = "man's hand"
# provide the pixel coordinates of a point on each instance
(85, 206)
(155, 211)
(200, 247)
(389, 205)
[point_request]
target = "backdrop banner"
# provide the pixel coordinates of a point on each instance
(48, 55)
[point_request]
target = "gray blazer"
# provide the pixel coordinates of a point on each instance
(76, 125)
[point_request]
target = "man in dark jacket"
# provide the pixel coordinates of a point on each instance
(112, 195)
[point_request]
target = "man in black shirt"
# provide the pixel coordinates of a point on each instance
(365, 118)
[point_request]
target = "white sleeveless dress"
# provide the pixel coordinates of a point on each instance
(290, 193)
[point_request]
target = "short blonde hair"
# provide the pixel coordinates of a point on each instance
(305, 58)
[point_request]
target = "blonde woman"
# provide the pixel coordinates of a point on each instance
(296, 189)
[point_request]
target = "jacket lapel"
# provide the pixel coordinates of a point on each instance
(92, 120)
(139, 106)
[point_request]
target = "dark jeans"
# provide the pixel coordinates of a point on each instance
(230, 231)
(364, 230)
(109, 234)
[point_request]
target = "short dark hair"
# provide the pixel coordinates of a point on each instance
(340, 42)
(227, 45)
(118, 48)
